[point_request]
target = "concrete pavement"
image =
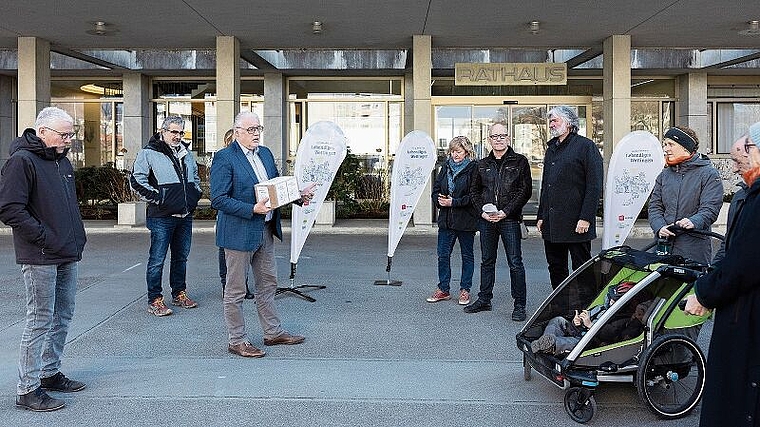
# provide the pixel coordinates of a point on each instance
(374, 355)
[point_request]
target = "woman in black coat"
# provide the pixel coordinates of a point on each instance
(732, 389)
(457, 218)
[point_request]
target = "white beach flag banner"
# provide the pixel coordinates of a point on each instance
(320, 153)
(414, 161)
(635, 164)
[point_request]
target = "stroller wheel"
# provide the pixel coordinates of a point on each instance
(527, 371)
(671, 377)
(580, 404)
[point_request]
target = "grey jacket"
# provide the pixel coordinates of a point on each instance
(170, 185)
(693, 190)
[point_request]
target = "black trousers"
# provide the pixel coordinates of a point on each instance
(556, 257)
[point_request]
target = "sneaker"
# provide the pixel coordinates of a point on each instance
(159, 308)
(518, 314)
(184, 301)
(39, 401)
(59, 382)
(478, 306)
(439, 295)
(544, 344)
(464, 297)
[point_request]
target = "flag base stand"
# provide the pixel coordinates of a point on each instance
(293, 289)
(388, 282)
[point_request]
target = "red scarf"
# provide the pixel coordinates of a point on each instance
(751, 175)
(672, 161)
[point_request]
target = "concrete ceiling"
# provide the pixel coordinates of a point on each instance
(385, 24)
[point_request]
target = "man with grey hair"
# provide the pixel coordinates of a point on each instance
(38, 201)
(570, 190)
(166, 176)
(246, 229)
(740, 161)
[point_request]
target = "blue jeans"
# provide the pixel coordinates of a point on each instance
(446, 240)
(166, 232)
(509, 231)
(50, 293)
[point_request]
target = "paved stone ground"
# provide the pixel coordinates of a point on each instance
(374, 355)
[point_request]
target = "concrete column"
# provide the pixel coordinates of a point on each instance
(138, 115)
(227, 87)
(33, 79)
(692, 105)
(7, 116)
(616, 92)
(275, 119)
(423, 120)
(408, 102)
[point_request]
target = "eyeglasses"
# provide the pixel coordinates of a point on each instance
(499, 136)
(175, 132)
(252, 129)
(69, 135)
(748, 145)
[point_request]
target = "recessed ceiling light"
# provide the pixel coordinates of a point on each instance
(534, 27)
(753, 30)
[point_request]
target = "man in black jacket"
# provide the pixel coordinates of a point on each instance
(38, 201)
(570, 190)
(501, 188)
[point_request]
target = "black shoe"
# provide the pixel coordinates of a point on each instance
(39, 401)
(518, 314)
(59, 382)
(249, 295)
(478, 306)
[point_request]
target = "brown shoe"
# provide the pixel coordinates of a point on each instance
(285, 338)
(245, 349)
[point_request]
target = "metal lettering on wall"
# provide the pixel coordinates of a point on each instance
(506, 74)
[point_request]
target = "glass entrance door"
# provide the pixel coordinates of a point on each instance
(528, 126)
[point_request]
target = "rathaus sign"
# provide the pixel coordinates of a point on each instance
(505, 74)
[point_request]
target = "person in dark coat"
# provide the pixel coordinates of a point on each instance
(500, 190)
(38, 201)
(740, 159)
(687, 193)
(457, 218)
(732, 388)
(570, 190)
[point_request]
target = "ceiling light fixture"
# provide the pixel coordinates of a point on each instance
(101, 28)
(316, 27)
(534, 27)
(753, 30)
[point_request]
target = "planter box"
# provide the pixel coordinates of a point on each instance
(326, 214)
(131, 214)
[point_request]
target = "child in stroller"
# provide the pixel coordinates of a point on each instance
(561, 335)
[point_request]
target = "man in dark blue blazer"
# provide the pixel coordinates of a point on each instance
(246, 229)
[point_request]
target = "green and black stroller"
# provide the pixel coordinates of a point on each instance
(661, 358)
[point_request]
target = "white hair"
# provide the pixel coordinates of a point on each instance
(49, 116)
(568, 114)
(243, 114)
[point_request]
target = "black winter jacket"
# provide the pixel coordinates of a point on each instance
(508, 187)
(570, 189)
(462, 215)
(38, 201)
(732, 388)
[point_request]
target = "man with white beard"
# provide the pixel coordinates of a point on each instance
(570, 191)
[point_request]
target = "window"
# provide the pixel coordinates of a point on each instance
(732, 120)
